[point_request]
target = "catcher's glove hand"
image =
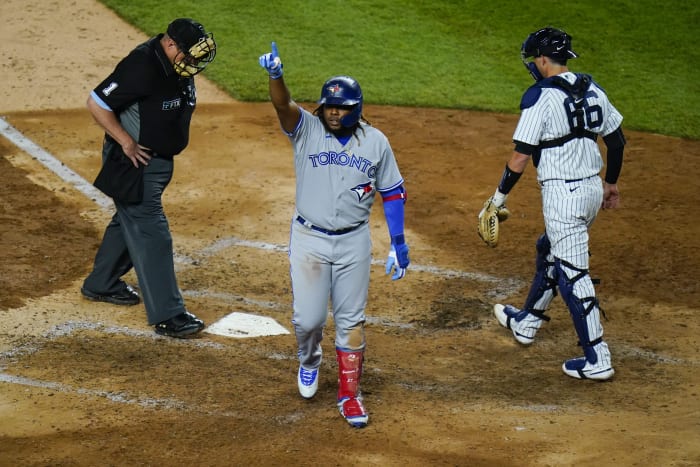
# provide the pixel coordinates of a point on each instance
(490, 217)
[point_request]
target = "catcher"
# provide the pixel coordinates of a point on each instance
(562, 116)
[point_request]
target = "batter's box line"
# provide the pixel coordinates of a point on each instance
(69, 327)
(85, 187)
(122, 397)
(54, 165)
(229, 242)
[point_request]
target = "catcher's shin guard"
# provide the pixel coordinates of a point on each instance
(349, 397)
(544, 285)
(526, 322)
(579, 295)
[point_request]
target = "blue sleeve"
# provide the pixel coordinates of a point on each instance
(394, 201)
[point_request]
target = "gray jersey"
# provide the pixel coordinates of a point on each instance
(546, 115)
(336, 183)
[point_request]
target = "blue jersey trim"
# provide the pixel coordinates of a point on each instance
(392, 187)
(100, 102)
(296, 128)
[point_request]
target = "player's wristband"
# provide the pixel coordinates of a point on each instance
(508, 180)
(398, 239)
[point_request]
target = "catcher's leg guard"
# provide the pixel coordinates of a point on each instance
(544, 284)
(349, 397)
(525, 322)
(577, 291)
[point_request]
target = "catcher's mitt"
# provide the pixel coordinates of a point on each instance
(489, 219)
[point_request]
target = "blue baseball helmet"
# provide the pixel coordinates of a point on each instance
(343, 90)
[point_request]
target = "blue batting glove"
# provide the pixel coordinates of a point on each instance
(272, 63)
(397, 261)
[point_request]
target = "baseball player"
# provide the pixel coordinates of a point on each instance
(562, 116)
(341, 162)
(145, 106)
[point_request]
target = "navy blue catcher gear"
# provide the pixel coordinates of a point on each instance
(544, 284)
(584, 311)
(343, 90)
(550, 42)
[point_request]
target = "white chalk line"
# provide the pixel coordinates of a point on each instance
(86, 188)
(229, 242)
(507, 286)
(122, 397)
(54, 165)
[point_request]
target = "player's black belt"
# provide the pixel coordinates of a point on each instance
(573, 180)
(308, 224)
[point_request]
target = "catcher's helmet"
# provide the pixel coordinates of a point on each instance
(550, 42)
(197, 46)
(343, 90)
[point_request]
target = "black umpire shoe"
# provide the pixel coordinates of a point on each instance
(127, 296)
(182, 325)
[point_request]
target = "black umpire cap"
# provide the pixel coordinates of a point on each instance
(186, 32)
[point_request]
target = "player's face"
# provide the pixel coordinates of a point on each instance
(332, 114)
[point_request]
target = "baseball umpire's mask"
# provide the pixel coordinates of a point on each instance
(197, 47)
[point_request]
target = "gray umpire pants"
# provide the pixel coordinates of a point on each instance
(139, 236)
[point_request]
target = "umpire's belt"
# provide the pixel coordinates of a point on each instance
(162, 156)
(308, 224)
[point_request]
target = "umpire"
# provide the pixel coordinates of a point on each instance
(145, 106)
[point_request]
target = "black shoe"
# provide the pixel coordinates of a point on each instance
(182, 325)
(127, 296)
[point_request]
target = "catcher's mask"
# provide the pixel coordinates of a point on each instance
(197, 47)
(550, 42)
(343, 90)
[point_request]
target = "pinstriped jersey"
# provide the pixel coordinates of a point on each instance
(335, 182)
(548, 113)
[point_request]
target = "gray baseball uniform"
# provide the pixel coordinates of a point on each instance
(330, 246)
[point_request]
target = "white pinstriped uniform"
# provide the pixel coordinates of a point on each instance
(568, 208)
(572, 190)
(547, 119)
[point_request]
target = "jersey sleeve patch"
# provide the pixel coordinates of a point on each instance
(530, 97)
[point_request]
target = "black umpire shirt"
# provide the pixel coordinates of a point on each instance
(154, 104)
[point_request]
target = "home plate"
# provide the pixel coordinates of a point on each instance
(246, 325)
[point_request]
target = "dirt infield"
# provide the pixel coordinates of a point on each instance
(91, 384)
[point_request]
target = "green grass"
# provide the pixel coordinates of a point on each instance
(452, 54)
